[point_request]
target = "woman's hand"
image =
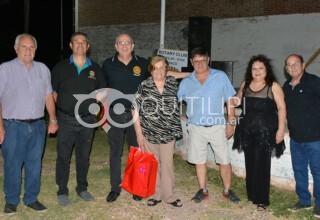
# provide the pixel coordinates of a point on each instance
(279, 136)
(141, 143)
(229, 131)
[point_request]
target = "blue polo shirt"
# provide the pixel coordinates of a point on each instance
(205, 102)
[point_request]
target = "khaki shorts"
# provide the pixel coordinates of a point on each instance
(197, 144)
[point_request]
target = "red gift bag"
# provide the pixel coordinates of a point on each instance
(141, 173)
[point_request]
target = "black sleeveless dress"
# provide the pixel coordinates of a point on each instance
(256, 135)
(258, 122)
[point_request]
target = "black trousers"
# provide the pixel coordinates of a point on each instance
(116, 136)
(258, 168)
(72, 134)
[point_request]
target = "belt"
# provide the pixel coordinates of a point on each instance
(28, 121)
(205, 126)
(73, 115)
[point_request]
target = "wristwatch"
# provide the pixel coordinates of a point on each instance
(54, 121)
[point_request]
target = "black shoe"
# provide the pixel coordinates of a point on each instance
(10, 209)
(37, 206)
(201, 195)
(316, 211)
(136, 198)
(112, 196)
(230, 196)
(153, 202)
(176, 203)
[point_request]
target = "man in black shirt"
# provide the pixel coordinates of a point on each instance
(302, 97)
(76, 75)
(123, 72)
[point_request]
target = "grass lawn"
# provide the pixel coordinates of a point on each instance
(126, 208)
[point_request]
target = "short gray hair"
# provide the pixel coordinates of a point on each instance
(18, 38)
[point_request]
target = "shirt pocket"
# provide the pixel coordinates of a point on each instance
(39, 86)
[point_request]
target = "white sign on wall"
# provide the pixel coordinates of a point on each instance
(176, 58)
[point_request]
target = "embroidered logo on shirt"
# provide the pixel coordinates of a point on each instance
(136, 70)
(301, 91)
(92, 75)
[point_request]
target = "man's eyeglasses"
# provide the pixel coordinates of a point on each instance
(124, 43)
(197, 62)
(295, 64)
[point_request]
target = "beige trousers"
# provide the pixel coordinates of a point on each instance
(165, 178)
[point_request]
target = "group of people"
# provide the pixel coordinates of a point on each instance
(26, 87)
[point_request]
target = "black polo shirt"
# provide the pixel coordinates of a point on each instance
(125, 78)
(66, 82)
(303, 108)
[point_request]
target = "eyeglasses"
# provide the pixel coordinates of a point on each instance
(295, 64)
(124, 43)
(197, 62)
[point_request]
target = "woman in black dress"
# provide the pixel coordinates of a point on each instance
(261, 127)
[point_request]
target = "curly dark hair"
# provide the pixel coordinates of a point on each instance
(270, 77)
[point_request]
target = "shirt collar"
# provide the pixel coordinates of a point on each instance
(21, 63)
(88, 61)
(115, 57)
(301, 79)
(193, 74)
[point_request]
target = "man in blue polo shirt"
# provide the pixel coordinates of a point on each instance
(206, 91)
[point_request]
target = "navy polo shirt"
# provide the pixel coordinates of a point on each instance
(303, 108)
(67, 82)
(125, 78)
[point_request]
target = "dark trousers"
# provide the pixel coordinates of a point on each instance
(72, 134)
(116, 139)
(258, 166)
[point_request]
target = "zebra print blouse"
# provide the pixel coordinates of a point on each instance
(159, 113)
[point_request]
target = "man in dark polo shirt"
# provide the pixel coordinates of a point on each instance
(123, 72)
(76, 75)
(302, 97)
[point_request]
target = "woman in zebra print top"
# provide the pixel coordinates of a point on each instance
(158, 126)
